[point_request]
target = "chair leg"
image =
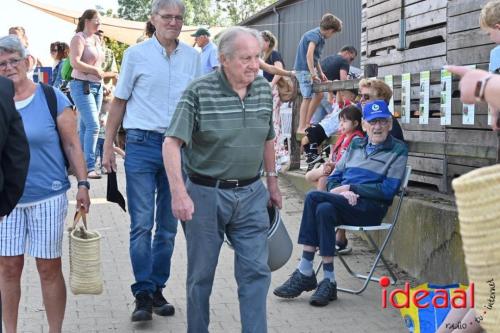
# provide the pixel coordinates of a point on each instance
(369, 277)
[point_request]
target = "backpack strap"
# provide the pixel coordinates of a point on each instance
(50, 96)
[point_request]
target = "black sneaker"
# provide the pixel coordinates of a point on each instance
(296, 284)
(143, 307)
(160, 305)
(326, 292)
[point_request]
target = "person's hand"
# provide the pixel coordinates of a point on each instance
(495, 117)
(109, 158)
(340, 189)
(351, 197)
(315, 78)
(467, 85)
(182, 206)
(328, 168)
(99, 72)
(275, 198)
(291, 73)
(323, 77)
(83, 199)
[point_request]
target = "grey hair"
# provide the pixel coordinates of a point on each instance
(229, 37)
(12, 44)
(159, 4)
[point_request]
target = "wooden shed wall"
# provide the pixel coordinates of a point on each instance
(437, 32)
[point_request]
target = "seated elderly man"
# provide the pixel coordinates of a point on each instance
(361, 189)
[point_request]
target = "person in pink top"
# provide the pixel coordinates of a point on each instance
(86, 57)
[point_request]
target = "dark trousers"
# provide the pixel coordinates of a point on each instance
(323, 211)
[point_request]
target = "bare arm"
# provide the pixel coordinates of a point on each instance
(273, 69)
(272, 182)
(343, 75)
(182, 205)
(310, 59)
(115, 117)
(75, 57)
(277, 64)
(66, 125)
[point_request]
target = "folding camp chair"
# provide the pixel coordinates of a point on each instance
(389, 227)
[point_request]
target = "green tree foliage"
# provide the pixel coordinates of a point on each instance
(136, 10)
(239, 10)
(118, 48)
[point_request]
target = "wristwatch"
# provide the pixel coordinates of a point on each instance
(84, 183)
(481, 88)
(270, 174)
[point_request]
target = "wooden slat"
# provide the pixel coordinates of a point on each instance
(430, 18)
(472, 137)
(418, 36)
(413, 66)
(430, 165)
(470, 55)
(467, 38)
(458, 7)
(463, 22)
(385, 31)
(382, 7)
(388, 17)
(480, 122)
(419, 136)
(424, 7)
(395, 56)
(434, 125)
(469, 161)
(456, 107)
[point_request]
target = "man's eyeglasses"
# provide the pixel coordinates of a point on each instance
(381, 121)
(12, 62)
(169, 18)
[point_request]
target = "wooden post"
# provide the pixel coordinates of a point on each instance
(294, 144)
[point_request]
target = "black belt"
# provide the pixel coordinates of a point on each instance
(220, 183)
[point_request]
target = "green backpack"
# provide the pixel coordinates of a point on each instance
(66, 70)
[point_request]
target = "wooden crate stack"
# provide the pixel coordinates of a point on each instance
(437, 32)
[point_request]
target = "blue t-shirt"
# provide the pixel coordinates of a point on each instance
(494, 59)
(312, 36)
(47, 175)
(209, 58)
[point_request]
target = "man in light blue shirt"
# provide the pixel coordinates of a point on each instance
(209, 56)
(153, 76)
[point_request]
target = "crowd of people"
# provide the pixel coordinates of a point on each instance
(202, 128)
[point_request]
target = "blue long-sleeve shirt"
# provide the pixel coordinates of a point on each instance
(375, 176)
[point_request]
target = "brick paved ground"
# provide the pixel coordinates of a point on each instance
(110, 312)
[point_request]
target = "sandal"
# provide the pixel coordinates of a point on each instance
(93, 175)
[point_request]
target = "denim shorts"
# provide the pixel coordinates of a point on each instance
(305, 83)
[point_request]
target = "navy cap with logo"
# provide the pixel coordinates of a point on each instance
(375, 110)
(201, 32)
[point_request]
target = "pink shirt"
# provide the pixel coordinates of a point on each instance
(93, 54)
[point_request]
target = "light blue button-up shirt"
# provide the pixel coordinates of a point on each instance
(209, 58)
(152, 83)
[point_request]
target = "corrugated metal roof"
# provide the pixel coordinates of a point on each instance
(268, 10)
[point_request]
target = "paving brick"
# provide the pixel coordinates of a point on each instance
(110, 312)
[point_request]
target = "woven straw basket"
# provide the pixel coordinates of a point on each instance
(84, 258)
(478, 202)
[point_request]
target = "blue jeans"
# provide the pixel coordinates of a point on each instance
(148, 194)
(305, 83)
(323, 211)
(322, 110)
(99, 150)
(88, 106)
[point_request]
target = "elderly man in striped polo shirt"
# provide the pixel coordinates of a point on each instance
(224, 121)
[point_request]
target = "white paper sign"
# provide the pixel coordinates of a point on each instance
(390, 82)
(445, 101)
(423, 107)
(468, 110)
(405, 98)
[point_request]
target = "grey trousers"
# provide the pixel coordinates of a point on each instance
(241, 214)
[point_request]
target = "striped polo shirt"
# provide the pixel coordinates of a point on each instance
(224, 135)
(376, 175)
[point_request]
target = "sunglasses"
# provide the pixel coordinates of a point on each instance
(381, 121)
